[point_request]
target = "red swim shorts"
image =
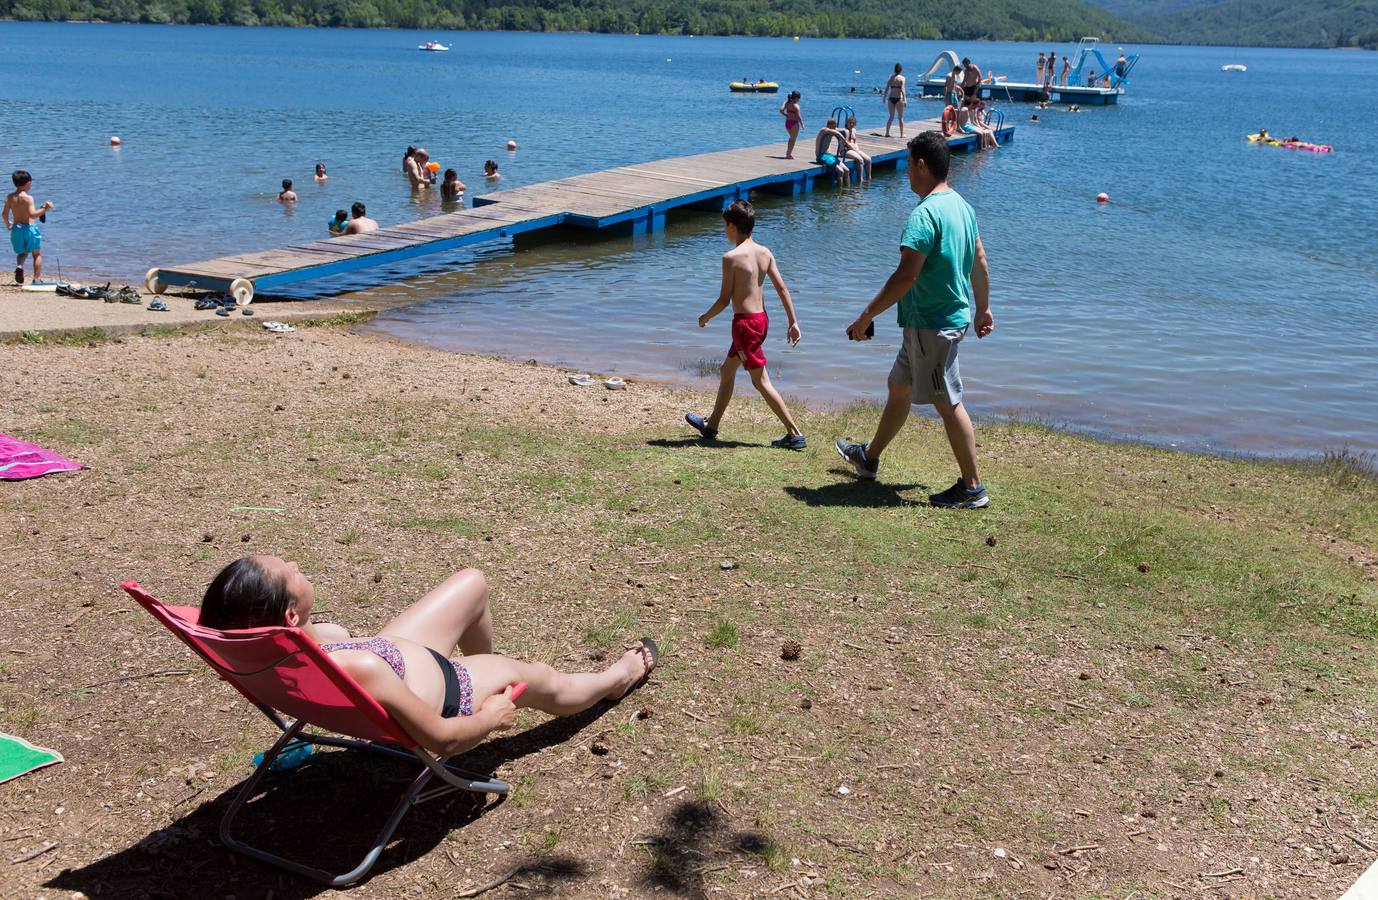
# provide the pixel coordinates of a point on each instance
(748, 334)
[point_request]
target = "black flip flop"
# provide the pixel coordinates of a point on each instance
(650, 647)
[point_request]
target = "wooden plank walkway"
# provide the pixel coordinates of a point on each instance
(631, 199)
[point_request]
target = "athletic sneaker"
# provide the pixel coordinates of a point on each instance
(959, 496)
(700, 424)
(790, 442)
(18, 274)
(856, 455)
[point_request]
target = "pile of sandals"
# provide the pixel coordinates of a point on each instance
(122, 294)
(221, 304)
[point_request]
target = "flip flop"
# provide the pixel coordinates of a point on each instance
(157, 305)
(615, 384)
(651, 648)
(581, 380)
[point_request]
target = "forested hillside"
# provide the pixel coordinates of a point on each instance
(1289, 23)
(1006, 19)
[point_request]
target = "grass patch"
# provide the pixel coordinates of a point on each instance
(723, 634)
(339, 320)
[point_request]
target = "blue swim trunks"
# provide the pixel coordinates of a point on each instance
(25, 238)
(828, 159)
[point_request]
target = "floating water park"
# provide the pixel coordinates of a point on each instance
(1092, 81)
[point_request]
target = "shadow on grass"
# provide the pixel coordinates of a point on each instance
(324, 814)
(692, 836)
(715, 444)
(858, 493)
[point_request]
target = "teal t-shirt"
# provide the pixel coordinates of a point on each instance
(943, 228)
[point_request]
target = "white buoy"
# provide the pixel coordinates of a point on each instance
(1102, 197)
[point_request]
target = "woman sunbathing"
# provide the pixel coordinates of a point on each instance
(445, 705)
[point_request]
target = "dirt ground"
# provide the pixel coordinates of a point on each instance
(1129, 680)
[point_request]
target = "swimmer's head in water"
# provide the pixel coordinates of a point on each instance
(286, 184)
(320, 168)
(358, 210)
(451, 175)
(490, 166)
(411, 151)
(256, 592)
(741, 216)
(341, 215)
(21, 179)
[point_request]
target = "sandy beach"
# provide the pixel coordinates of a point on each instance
(1081, 691)
(48, 313)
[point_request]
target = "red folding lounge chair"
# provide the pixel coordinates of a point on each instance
(282, 671)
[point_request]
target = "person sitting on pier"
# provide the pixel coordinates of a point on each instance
(445, 705)
(836, 162)
(969, 121)
(337, 225)
(287, 195)
(853, 144)
(452, 187)
(490, 169)
(360, 224)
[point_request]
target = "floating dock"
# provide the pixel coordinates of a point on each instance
(1016, 92)
(625, 200)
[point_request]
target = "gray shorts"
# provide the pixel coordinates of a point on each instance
(927, 361)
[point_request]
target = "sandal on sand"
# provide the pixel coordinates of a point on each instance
(615, 384)
(581, 380)
(205, 302)
(127, 294)
(223, 311)
(157, 305)
(278, 327)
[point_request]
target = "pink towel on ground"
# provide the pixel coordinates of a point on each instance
(19, 459)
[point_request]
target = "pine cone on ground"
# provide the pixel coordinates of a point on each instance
(790, 650)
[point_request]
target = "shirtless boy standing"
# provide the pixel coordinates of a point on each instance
(744, 270)
(21, 217)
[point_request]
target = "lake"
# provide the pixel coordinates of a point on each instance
(1226, 300)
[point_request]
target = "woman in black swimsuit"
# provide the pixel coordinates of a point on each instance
(894, 99)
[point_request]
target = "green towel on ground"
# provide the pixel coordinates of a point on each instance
(19, 757)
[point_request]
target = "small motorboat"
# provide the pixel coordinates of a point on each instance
(753, 87)
(1288, 144)
(1234, 67)
(433, 47)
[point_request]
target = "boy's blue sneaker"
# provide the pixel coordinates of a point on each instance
(959, 496)
(699, 424)
(856, 455)
(790, 442)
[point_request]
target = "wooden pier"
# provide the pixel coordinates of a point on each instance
(627, 200)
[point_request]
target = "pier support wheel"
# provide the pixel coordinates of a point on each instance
(242, 290)
(154, 284)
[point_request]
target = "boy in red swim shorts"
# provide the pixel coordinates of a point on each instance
(744, 270)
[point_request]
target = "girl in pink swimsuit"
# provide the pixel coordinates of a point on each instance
(445, 705)
(794, 121)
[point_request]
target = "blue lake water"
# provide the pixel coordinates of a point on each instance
(1227, 299)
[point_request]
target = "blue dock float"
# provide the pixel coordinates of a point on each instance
(625, 200)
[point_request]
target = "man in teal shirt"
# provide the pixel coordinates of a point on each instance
(941, 276)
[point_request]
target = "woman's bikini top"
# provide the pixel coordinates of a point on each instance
(379, 646)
